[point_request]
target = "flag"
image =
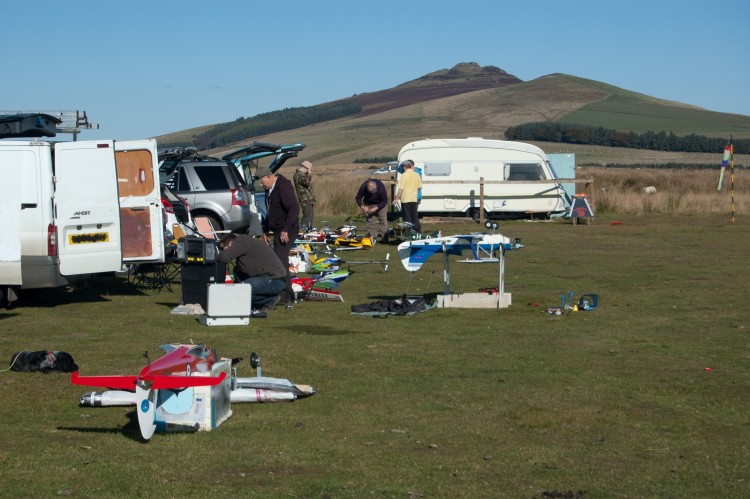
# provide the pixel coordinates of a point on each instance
(724, 163)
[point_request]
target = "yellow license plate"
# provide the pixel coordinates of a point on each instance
(89, 238)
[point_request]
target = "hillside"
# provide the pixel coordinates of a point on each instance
(469, 100)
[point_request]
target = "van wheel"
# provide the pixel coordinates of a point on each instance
(474, 214)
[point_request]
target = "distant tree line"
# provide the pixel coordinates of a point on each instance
(599, 136)
(271, 122)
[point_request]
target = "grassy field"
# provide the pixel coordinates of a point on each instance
(647, 396)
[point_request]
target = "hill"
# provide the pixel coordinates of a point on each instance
(469, 100)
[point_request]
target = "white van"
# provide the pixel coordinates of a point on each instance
(451, 170)
(72, 209)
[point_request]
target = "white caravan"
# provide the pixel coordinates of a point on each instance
(72, 209)
(451, 170)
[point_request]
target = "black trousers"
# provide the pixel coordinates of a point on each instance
(411, 215)
(282, 251)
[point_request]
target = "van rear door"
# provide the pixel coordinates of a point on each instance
(140, 201)
(10, 216)
(87, 209)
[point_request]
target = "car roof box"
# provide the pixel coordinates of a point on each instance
(28, 125)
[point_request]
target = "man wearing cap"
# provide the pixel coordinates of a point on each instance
(305, 195)
(409, 184)
(282, 219)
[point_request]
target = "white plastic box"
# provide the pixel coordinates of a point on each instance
(228, 305)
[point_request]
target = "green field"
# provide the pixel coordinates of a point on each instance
(616, 402)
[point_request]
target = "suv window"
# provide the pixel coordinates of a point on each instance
(212, 178)
(237, 177)
(182, 180)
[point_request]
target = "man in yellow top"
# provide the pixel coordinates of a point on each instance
(409, 184)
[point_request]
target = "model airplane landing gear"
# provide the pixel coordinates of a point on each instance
(255, 363)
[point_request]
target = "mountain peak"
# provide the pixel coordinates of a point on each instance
(464, 71)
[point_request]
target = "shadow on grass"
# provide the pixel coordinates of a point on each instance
(129, 430)
(320, 330)
(98, 289)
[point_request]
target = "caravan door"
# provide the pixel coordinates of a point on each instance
(140, 201)
(87, 208)
(10, 215)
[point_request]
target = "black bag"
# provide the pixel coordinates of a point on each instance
(402, 306)
(43, 361)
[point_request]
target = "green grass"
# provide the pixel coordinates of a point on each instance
(449, 403)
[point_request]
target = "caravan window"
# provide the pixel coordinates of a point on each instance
(437, 168)
(525, 171)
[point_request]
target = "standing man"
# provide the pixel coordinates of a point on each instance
(409, 184)
(372, 199)
(305, 195)
(283, 219)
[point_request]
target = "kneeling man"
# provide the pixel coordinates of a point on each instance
(255, 264)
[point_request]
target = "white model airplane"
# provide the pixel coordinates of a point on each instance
(483, 248)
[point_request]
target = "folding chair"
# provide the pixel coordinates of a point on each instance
(156, 276)
(206, 228)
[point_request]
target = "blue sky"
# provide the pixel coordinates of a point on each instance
(145, 68)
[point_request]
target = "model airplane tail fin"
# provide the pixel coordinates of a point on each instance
(160, 382)
(115, 382)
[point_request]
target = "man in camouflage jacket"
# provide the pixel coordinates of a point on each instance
(305, 195)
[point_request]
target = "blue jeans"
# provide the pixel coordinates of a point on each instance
(264, 290)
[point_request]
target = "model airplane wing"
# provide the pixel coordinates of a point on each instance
(113, 382)
(171, 382)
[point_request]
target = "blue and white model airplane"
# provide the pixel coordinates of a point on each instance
(483, 247)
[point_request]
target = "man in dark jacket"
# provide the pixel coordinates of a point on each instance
(372, 199)
(255, 264)
(282, 219)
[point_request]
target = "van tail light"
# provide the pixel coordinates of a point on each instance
(51, 240)
(167, 205)
(238, 198)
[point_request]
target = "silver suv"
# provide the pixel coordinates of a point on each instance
(212, 187)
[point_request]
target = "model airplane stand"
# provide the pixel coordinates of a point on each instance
(228, 305)
(501, 299)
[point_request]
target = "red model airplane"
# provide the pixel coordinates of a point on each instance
(175, 370)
